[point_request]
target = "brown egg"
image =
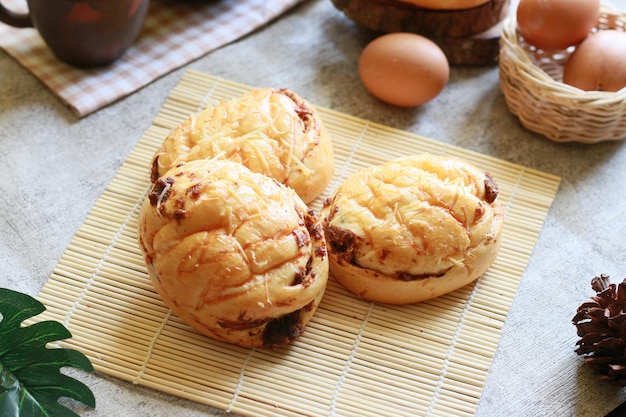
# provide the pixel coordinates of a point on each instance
(598, 63)
(404, 69)
(556, 24)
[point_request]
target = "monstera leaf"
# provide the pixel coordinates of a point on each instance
(31, 382)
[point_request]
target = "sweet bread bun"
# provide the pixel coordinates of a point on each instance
(271, 131)
(235, 254)
(412, 229)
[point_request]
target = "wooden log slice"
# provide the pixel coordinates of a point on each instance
(481, 49)
(396, 16)
(476, 50)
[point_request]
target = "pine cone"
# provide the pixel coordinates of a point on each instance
(601, 324)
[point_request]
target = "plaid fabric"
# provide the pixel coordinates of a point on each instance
(174, 33)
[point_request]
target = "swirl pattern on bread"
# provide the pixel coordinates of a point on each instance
(413, 228)
(235, 254)
(272, 131)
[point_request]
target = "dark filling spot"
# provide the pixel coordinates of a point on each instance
(158, 193)
(284, 329)
(302, 239)
(179, 209)
(302, 110)
(313, 225)
(343, 242)
(316, 232)
(478, 213)
(298, 278)
(303, 113)
(194, 191)
(154, 171)
(491, 188)
(304, 275)
(406, 277)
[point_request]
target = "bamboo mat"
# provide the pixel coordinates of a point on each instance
(355, 358)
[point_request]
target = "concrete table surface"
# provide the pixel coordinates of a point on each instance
(53, 167)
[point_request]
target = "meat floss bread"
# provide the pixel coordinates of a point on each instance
(271, 131)
(413, 228)
(235, 254)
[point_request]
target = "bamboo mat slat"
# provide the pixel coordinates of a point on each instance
(355, 357)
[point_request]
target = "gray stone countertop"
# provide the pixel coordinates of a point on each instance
(53, 167)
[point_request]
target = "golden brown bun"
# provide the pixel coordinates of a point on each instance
(235, 254)
(412, 229)
(271, 131)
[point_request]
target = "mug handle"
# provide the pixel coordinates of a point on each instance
(18, 20)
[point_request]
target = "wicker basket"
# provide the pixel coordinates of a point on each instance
(531, 83)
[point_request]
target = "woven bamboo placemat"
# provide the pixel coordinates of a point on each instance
(355, 358)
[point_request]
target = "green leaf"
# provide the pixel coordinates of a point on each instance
(31, 382)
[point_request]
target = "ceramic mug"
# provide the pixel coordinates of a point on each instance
(84, 33)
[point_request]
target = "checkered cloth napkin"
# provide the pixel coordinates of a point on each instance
(175, 32)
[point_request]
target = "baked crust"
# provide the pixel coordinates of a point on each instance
(271, 131)
(235, 254)
(413, 228)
